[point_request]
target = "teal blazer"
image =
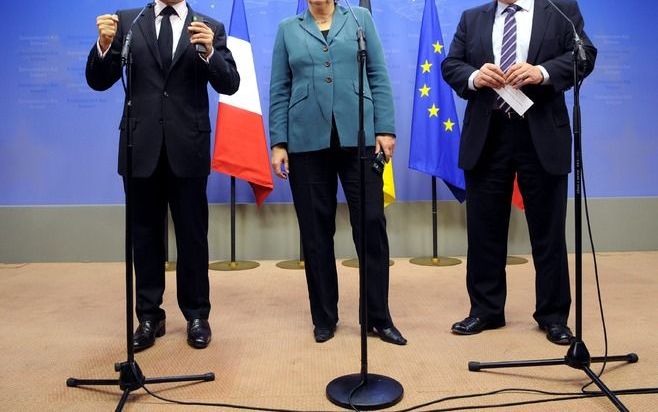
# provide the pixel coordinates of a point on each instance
(314, 79)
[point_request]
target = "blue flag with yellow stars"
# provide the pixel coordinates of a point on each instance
(434, 145)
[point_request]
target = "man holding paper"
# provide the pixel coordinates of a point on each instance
(512, 61)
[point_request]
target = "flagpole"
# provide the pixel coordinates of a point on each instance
(233, 265)
(170, 266)
(435, 260)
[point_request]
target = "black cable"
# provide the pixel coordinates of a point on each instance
(352, 393)
(556, 397)
(220, 405)
(598, 285)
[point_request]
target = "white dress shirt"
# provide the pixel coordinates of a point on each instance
(177, 25)
(523, 33)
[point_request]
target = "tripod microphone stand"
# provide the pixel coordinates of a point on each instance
(131, 377)
(577, 357)
(363, 391)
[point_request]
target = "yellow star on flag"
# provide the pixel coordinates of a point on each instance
(434, 111)
(425, 91)
(426, 66)
(438, 47)
(448, 124)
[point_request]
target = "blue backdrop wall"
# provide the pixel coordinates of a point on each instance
(58, 138)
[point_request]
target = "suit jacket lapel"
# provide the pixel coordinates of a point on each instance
(339, 20)
(487, 32)
(147, 27)
(539, 23)
(184, 41)
(309, 26)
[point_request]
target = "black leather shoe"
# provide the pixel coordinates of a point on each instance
(198, 333)
(146, 333)
(323, 334)
(557, 333)
(390, 335)
(472, 325)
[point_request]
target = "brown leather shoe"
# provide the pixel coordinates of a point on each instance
(146, 333)
(198, 333)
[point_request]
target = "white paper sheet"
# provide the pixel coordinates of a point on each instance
(517, 100)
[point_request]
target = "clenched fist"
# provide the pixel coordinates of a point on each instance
(107, 28)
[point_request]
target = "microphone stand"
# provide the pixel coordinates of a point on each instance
(131, 377)
(363, 391)
(577, 356)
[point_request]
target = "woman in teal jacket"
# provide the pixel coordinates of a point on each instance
(313, 134)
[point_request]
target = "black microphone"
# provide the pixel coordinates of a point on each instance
(129, 37)
(200, 48)
(582, 56)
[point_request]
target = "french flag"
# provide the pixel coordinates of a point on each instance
(240, 143)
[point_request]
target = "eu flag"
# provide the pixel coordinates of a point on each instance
(435, 134)
(302, 5)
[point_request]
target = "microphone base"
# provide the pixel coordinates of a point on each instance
(378, 392)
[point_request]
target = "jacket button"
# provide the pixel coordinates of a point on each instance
(165, 94)
(161, 121)
(327, 64)
(325, 48)
(328, 80)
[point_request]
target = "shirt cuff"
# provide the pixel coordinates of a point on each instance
(207, 59)
(547, 78)
(471, 80)
(101, 54)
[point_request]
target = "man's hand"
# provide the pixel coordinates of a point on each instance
(201, 34)
(523, 74)
(385, 143)
(490, 75)
(280, 161)
(107, 28)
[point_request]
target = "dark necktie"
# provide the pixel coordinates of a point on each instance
(508, 51)
(166, 37)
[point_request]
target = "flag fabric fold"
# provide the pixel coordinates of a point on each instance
(517, 199)
(435, 133)
(240, 143)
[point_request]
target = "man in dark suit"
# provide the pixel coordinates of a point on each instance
(527, 45)
(170, 129)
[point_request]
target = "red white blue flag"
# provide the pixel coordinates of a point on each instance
(240, 144)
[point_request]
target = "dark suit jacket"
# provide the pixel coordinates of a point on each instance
(551, 46)
(167, 107)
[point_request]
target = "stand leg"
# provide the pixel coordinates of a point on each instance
(122, 401)
(578, 358)
(131, 379)
(598, 382)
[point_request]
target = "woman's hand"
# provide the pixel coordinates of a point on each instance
(280, 161)
(385, 143)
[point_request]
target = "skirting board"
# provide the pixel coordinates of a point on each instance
(95, 233)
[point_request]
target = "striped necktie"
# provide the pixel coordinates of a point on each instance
(508, 51)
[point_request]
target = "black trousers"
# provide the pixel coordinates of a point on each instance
(314, 182)
(489, 186)
(188, 202)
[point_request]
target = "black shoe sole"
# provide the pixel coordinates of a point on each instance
(197, 345)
